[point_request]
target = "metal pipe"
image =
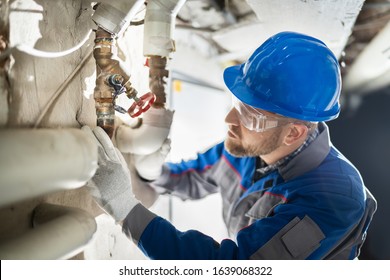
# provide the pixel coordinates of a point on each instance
(105, 56)
(107, 65)
(59, 233)
(38, 162)
(157, 75)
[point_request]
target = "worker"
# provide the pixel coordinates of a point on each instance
(287, 192)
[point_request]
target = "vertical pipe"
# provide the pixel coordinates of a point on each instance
(159, 25)
(159, 43)
(104, 53)
(4, 62)
(157, 75)
(107, 65)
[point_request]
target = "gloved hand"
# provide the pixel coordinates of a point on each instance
(149, 167)
(142, 190)
(111, 184)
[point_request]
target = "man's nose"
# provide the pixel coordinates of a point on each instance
(232, 118)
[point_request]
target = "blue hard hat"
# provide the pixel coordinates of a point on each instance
(290, 74)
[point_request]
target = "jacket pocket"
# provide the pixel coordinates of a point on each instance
(264, 206)
(295, 241)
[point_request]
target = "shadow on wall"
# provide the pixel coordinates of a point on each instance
(362, 134)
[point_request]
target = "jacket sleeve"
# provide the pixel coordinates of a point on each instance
(191, 179)
(159, 239)
(293, 232)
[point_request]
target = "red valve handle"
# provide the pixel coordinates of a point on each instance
(141, 104)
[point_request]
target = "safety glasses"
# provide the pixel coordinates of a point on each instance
(254, 120)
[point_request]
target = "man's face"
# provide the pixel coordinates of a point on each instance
(242, 142)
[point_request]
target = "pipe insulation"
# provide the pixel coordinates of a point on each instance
(147, 138)
(371, 69)
(159, 25)
(115, 16)
(59, 233)
(38, 162)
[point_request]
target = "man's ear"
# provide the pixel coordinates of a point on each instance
(297, 133)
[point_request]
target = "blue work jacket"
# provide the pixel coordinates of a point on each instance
(315, 207)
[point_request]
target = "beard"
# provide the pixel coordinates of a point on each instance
(238, 148)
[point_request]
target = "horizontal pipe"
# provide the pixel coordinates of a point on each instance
(371, 69)
(39, 162)
(142, 141)
(60, 232)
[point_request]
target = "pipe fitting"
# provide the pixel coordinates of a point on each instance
(149, 137)
(108, 65)
(116, 16)
(112, 79)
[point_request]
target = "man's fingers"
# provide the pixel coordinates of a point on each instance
(106, 143)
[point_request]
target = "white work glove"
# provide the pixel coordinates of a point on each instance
(142, 190)
(111, 184)
(149, 167)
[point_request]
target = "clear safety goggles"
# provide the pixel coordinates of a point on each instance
(254, 120)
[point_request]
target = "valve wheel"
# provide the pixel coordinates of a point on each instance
(141, 105)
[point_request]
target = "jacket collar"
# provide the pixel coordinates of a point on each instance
(310, 157)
